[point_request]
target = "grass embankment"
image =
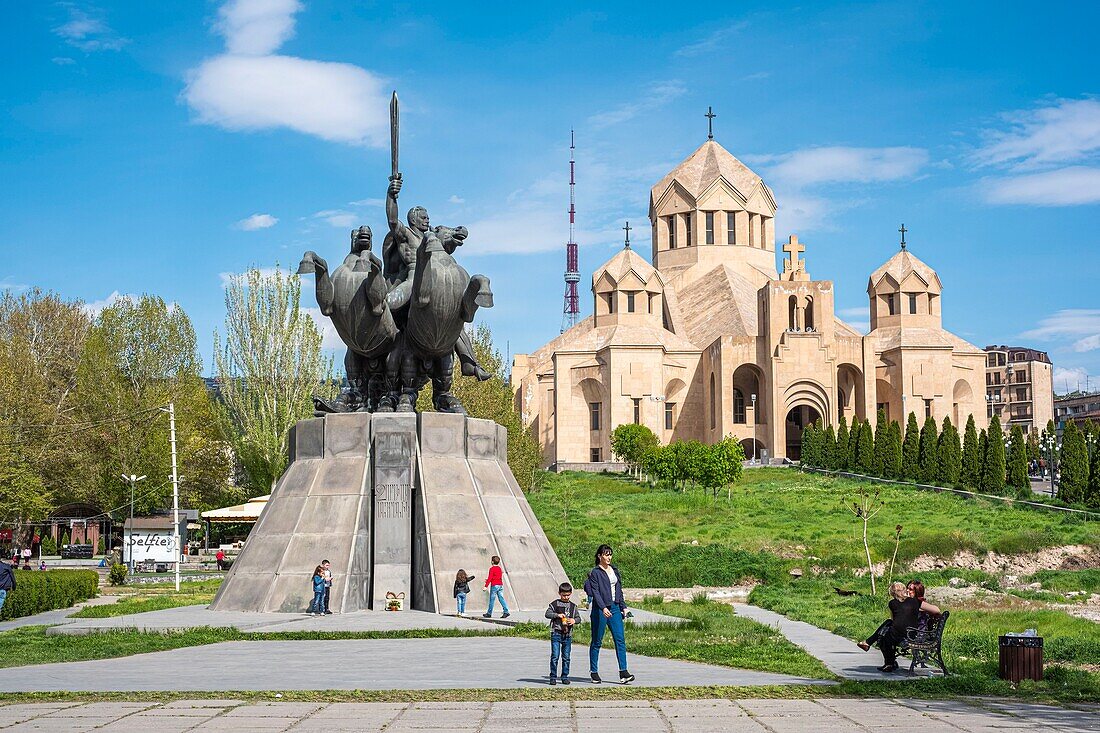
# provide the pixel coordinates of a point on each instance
(774, 519)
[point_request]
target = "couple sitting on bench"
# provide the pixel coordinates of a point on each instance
(915, 627)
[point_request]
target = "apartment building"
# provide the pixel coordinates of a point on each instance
(1019, 386)
(1076, 407)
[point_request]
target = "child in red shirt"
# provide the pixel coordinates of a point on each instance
(495, 583)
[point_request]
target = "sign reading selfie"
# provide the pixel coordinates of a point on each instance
(151, 545)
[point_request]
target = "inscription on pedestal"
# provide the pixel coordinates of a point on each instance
(394, 459)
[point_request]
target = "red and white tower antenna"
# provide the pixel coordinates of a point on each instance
(571, 312)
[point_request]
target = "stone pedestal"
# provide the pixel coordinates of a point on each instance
(398, 503)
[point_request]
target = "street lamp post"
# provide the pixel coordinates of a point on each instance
(129, 546)
(754, 428)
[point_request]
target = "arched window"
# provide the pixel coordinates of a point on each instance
(809, 317)
(713, 412)
(792, 313)
(738, 407)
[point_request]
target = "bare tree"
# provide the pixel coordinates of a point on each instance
(865, 508)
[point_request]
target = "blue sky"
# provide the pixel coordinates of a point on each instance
(158, 147)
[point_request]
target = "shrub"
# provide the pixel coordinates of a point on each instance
(49, 545)
(36, 591)
(993, 462)
(118, 574)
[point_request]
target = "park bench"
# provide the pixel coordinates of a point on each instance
(925, 645)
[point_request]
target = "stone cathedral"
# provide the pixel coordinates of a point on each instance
(708, 339)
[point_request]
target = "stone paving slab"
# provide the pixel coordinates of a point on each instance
(367, 664)
(606, 716)
(841, 656)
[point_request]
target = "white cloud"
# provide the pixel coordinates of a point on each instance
(712, 41)
(88, 31)
(1070, 379)
(250, 88)
(456, 199)
(1082, 325)
(256, 27)
(228, 277)
(257, 221)
(373, 203)
(11, 286)
(658, 95)
(1075, 185)
(97, 306)
(330, 339)
(1065, 132)
(857, 318)
(844, 165)
(338, 217)
(63, 60)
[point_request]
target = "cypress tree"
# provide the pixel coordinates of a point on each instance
(892, 464)
(1017, 460)
(865, 449)
(828, 449)
(1073, 486)
(910, 450)
(928, 457)
(971, 458)
(806, 455)
(882, 437)
(1092, 497)
(853, 445)
(950, 455)
(993, 467)
(841, 457)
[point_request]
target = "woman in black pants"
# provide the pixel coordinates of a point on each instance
(905, 611)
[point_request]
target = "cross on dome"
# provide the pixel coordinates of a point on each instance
(793, 267)
(627, 229)
(710, 122)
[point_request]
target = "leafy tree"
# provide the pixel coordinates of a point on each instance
(1073, 487)
(1017, 460)
(722, 465)
(269, 368)
(927, 452)
(853, 445)
(827, 449)
(140, 355)
(882, 438)
(807, 453)
(971, 456)
(1033, 450)
(865, 449)
(1092, 496)
(23, 497)
(910, 450)
(891, 466)
(630, 442)
(842, 438)
(993, 467)
(950, 455)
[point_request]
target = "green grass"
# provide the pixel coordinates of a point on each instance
(711, 634)
(1066, 581)
(773, 513)
(970, 639)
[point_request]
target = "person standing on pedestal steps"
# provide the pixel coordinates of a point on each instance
(317, 605)
(462, 589)
(495, 583)
(328, 586)
(605, 585)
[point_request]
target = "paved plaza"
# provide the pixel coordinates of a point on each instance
(361, 664)
(839, 715)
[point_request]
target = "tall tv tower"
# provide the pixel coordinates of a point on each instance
(571, 312)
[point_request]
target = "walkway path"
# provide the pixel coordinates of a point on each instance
(361, 664)
(840, 655)
(633, 716)
(48, 618)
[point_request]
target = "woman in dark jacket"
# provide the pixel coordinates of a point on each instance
(605, 586)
